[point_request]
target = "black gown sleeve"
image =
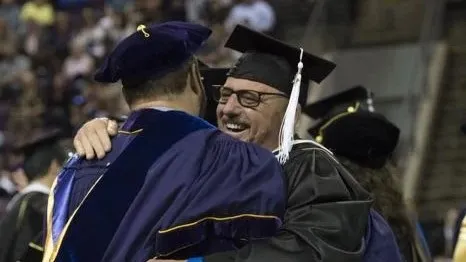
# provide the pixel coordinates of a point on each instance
(8, 232)
(326, 216)
(21, 225)
(35, 250)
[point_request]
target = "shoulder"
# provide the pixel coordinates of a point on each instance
(222, 149)
(305, 145)
(33, 201)
(231, 144)
(36, 201)
(309, 152)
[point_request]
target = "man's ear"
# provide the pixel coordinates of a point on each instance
(195, 80)
(54, 168)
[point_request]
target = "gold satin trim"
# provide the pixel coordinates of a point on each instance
(36, 247)
(48, 247)
(164, 231)
(130, 132)
(350, 110)
(22, 211)
(210, 218)
(460, 251)
(176, 250)
(51, 251)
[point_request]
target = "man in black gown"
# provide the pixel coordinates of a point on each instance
(26, 211)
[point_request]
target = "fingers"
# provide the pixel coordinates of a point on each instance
(78, 147)
(96, 144)
(93, 139)
(112, 127)
(104, 138)
(82, 145)
(84, 139)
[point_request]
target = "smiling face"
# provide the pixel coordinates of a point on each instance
(260, 124)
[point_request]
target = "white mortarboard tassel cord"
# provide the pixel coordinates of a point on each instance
(286, 134)
(370, 103)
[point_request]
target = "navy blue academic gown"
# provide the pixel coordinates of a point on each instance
(380, 242)
(173, 186)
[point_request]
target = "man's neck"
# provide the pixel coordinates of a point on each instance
(45, 180)
(163, 103)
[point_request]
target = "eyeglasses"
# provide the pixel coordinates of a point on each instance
(246, 98)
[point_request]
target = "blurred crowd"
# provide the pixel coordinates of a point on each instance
(49, 51)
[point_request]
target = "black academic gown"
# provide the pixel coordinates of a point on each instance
(326, 214)
(22, 223)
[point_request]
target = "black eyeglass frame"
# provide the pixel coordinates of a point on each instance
(241, 98)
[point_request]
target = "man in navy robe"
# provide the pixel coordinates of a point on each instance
(327, 210)
(173, 186)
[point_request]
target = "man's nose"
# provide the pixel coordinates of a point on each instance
(232, 106)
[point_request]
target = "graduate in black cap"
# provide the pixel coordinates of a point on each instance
(327, 210)
(173, 186)
(43, 158)
(211, 78)
(363, 141)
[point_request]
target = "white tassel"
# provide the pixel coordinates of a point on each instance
(286, 135)
(370, 103)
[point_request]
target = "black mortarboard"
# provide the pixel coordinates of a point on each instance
(288, 69)
(342, 100)
(274, 63)
(349, 129)
(40, 151)
(152, 52)
(210, 78)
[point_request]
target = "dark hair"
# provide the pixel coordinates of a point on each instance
(37, 165)
(174, 83)
(384, 185)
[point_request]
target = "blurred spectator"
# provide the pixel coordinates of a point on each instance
(19, 179)
(174, 10)
(216, 11)
(7, 38)
(12, 65)
(151, 11)
(60, 35)
(37, 38)
(194, 10)
(256, 14)
(118, 5)
(91, 36)
(30, 104)
(38, 11)
(79, 63)
(10, 11)
(56, 103)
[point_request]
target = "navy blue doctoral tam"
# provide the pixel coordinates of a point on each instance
(152, 52)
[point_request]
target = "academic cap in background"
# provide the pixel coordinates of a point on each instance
(40, 151)
(152, 52)
(349, 128)
(341, 100)
(210, 78)
(288, 69)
